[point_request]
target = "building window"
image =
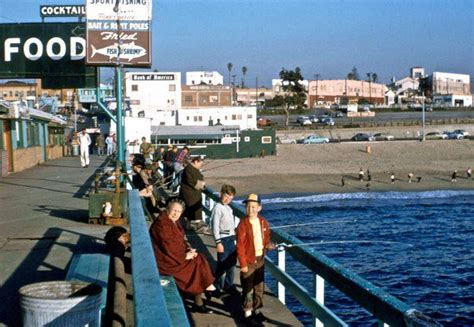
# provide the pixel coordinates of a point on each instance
(188, 98)
(134, 87)
(249, 116)
(266, 139)
(172, 88)
(187, 117)
(197, 118)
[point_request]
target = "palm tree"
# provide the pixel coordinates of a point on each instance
(229, 68)
(375, 77)
(244, 71)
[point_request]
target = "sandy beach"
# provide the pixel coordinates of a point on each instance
(319, 168)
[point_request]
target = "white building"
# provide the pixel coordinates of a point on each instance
(449, 89)
(151, 92)
(244, 117)
(208, 78)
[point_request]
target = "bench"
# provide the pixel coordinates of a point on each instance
(91, 268)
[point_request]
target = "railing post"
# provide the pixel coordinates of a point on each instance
(281, 265)
(318, 283)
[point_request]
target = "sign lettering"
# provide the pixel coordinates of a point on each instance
(63, 11)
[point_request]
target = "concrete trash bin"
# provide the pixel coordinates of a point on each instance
(75, 150)
(61, 303)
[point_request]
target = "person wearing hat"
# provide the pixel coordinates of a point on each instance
(253, 240)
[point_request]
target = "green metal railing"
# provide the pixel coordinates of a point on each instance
(383, 306)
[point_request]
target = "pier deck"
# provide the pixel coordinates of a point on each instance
(43, 223)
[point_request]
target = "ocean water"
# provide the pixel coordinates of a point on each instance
(417, 246)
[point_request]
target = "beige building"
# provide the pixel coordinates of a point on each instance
(249, 97)
(197, 96)
(16, 90)
(324, 92)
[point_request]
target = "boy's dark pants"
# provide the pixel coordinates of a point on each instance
(226, 262)
(253, 285)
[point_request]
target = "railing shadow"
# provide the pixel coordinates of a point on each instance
(34, 268)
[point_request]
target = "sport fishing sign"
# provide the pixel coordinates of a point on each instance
(118, 32)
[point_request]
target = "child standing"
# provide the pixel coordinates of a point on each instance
(223, 229)
(253, 240)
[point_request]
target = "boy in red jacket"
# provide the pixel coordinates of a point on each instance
(253, 240)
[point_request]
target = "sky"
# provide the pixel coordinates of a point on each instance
(325, 37)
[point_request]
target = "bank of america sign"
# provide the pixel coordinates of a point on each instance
(118, 32)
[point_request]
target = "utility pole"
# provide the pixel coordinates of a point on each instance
(316, 77)
(369, 75)
(233, 90)
(256, 92)
(423, 115)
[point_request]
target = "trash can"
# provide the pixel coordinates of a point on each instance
(61, 303)
(75, 150)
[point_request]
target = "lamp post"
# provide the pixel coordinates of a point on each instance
(369, 76)
(423, 116)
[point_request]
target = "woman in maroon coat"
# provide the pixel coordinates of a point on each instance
(176, 258)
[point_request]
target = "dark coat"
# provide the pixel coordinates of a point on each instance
(189, 180)
(191, 276)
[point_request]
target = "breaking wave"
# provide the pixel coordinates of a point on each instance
(438, 194)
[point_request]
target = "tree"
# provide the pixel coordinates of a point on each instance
(294, 93)
(229, 68)
(244, 71)
(354, 74)
(375, 77)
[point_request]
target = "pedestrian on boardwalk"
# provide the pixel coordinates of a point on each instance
(110, 144)
(369, 177)
(343, 181)
(223, 229)
(253, 240)
(168, 159)
(146, 149)
(100, 144)
(392, 178)
(84, 141)
(367, 186)
(410, 177)
(192, 183)
(175, 257)
(454, 176)
(469, 173)
(361, 175)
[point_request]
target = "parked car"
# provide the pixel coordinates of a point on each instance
(461, 131)
(383, 137)
(338, 114)
(315, 139)
(436, 136)
(285, 139)
(454, 135)
(262, 121)
(363, 137)
(303, 120)
(328, 121)
(314, 118)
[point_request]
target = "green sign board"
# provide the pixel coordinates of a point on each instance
(54, 52)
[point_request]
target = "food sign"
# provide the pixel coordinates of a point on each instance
(118, 32)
